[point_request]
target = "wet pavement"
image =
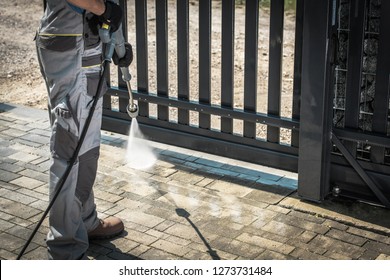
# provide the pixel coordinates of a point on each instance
(189, 205)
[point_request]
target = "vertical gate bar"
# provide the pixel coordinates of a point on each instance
(355, 65)
(183, 83)
(296, 104)
(316, 103)
(227, 71)
(123, 102)
(162, 55)
(251, 53)
(204, 59)
(142, 53)
(382, 86)
(275, 65)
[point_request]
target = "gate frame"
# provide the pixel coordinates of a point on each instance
(313, 134)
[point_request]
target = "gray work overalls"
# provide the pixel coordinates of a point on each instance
(70, 56)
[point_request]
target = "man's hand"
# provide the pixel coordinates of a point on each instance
(127, 59)
(112, 15)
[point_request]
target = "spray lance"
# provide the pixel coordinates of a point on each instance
(115, 41)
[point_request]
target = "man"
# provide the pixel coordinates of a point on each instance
(70, 55)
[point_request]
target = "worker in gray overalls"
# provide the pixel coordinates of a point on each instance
(70, 55)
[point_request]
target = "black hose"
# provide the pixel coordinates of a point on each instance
(72, 161)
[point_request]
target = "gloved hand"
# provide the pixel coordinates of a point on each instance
(112, 15)
(127, 59)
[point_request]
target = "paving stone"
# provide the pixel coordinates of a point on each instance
(16, 196)
(377, 246)
(186, 177)
(10, 167)
(39, 253)
(156, 254)
(334, 224)
(185, 231)
(140, 218)
(115, 255)
(383, 257)
(13, 132)
(6, 255)
(35, 175)
(39, 131)
(336, 256)
(313, 248)
(5, 152)
(107, 196)
(24, 157)
(306, 236)
(266, 243)
(264, 217)
(288, 183)
(369, 235)
(139, 250)
(346, 237)
(25, 233)
(27, 182)
(122, 244)
(40, 167)
(307, 216)
(103, 206)
(231, 188)
(4, 225)
(10, 243)
(139, 187)
(40, 205)
(27, 143)
(39, 160)
(256, 173)
(96, 248)
(301, 223)
(268, 194)
(302, 254)
(282, 229)
(197, 255)
(336, 246)
(170, 247)
(221, 229)
(204, 182)
(271, 255)
(278, 209)
(140, 237)
(236, 247)
(17, 209)
(6, 176)
(369, 255)
(158, 234)
(166, 214)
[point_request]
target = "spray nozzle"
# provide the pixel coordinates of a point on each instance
(132, 110)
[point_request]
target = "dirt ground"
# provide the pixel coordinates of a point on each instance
(21, 81)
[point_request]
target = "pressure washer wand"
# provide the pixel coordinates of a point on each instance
(115, 41)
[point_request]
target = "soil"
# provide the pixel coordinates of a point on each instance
(22, 83)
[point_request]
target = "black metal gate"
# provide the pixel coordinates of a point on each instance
(250, 122)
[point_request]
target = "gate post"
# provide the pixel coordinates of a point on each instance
(316, 101)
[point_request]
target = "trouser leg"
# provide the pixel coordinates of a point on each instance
(70, 97)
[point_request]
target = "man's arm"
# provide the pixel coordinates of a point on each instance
(96, 7)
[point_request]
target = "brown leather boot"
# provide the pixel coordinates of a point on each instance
(107, 228)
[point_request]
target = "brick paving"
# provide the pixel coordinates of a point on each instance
(190, 205)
